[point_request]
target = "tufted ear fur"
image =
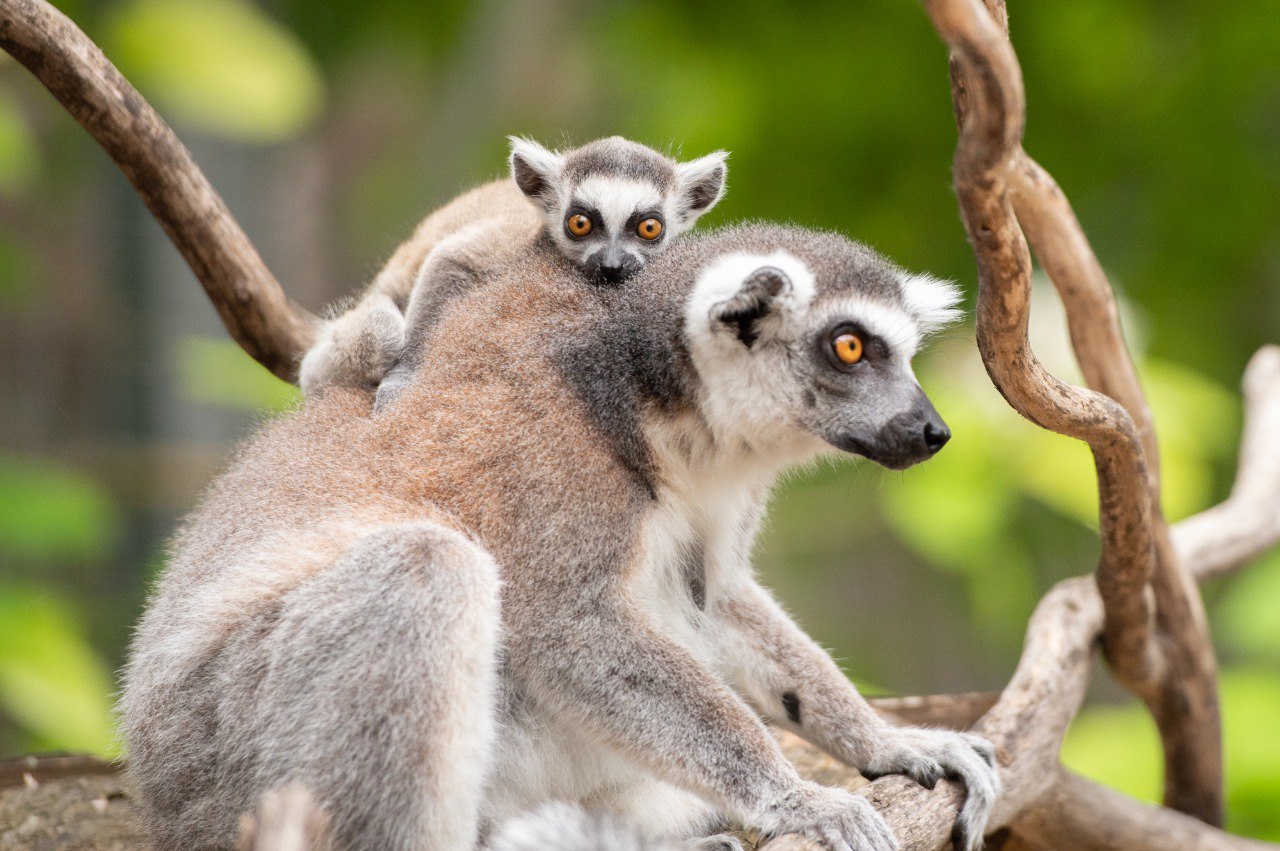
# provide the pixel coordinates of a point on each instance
(746, 311)
(535, 170)
(933, 303)
(701, 184)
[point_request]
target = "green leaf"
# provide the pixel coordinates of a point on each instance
(218, 372)
(219, 65)
(51, 680)
(49, 512)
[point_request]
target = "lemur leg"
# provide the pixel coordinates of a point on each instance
(449, 272)
(375, 689)
(617, 675)
(795, 684)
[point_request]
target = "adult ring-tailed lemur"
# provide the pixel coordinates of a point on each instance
(526, 577)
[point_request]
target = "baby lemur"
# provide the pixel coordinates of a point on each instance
(527, 578)
(608, 206)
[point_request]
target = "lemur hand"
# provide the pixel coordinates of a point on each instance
(927, 756)
(833, 817)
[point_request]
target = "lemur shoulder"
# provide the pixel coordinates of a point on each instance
(528, 580)
(608, 206)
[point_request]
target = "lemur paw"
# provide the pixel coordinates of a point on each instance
(832, 817)
(356, 349)
(927, 756)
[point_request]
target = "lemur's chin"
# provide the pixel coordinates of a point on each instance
(889, 459)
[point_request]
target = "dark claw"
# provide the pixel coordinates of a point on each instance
(927, 779)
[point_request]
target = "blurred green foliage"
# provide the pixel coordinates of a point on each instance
(219, 65)
(49, 513)
(1160, 119)
(218, 372)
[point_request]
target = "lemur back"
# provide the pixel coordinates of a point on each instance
(527, 577)
(608, 206)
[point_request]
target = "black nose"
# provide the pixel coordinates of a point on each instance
(936, 435)
(612, 274)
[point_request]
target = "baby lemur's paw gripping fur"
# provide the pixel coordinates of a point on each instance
(832, 817)
(356, 349)
(927, 756)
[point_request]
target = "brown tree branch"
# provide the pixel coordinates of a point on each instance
(987, 86)
(1156, 642)
(1078, 813)
(1182, 694)
(254, 308)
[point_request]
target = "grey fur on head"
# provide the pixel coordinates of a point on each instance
(617, 189)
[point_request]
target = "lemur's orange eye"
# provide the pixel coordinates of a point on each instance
(649, 229)
(578, 224)
(848, 348)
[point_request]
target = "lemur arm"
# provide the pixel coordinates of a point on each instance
(792, 682)
(617, 676)
(614, 674)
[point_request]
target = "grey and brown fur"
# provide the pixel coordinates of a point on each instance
(615, 182)
(526, 578)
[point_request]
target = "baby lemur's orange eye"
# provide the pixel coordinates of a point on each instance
(578, 224)
(848, 348)
(649, 229)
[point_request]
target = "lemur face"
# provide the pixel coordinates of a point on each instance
(811, 355)
(613, 204)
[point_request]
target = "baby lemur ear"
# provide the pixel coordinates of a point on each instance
(535, 170)
(701, 183)
(745, 312)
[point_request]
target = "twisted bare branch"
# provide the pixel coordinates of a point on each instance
(1182, 693)
(251, 303)
(1155, 633)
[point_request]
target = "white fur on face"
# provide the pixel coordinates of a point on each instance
(886, 321)
(748, 394)
(615, 198)
(751, 394)
(932, 301)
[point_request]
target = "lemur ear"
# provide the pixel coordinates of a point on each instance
(534, 169)
(701, 183)
(932, 302)
(745, 312)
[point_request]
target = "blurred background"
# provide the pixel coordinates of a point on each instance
(332, 127)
